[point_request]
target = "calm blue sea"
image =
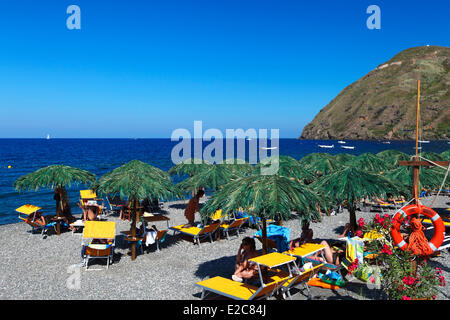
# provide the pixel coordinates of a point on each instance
(102, 155)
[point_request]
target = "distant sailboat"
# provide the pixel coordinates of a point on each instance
(342, 142)
(326, 146)
(424, 141)
(266, 148)
(386, 142)
(47, 137)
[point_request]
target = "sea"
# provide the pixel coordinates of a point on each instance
(19, 157)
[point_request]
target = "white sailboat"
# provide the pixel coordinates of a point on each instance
(424, 141)
(48, 136)
(341, 142)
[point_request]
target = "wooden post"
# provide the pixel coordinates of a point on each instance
(133, 230)
(264, 235)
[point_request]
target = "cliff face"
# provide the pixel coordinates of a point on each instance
(382, 104)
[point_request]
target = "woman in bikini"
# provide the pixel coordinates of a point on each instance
(245, 269)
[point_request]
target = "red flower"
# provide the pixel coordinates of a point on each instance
(406, 298)
(441, 281)
(361, 222)
(358, 233)
(386, 249)
(409, 280)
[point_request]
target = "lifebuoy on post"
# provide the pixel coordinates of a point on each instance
(401, 214)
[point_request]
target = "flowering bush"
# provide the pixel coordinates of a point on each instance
(401, 280)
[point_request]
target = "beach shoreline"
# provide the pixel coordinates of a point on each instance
(41, 269)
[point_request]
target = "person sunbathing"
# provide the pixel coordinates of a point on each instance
(243, 268)
(90, 210)
(38, 218)
(305, 236)
(331, 255)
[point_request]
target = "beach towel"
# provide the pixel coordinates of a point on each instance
(355, 249)
(278, 234)
(151, 236)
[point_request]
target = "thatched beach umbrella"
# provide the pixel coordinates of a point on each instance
(370, 162)
(351, 184)
(213, 177)
(428, 177)
(287, 167)
(321, 163)
(55, 177)
(344, 158)
(238, 166)
(189, 167)
(445, 155)
(391, 157)
(266, 196)
(433, 156)
(134, 181)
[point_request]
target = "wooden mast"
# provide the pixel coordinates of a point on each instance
(416, 168)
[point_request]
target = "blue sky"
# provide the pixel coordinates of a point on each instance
(144, 68)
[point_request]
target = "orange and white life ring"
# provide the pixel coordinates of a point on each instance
(401, 214)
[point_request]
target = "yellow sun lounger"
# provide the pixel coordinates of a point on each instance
(242, 291)
(235, 226)
(303, 278)
(198, 233)
(238, 290)
(99, 230)
(27, 209)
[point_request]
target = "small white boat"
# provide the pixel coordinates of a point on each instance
(326, 146)
(341, 142)
(266, 148)
(348, 147)
(386, 142)
(424, 141)
(47, 137)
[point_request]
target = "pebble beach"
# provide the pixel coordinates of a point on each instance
(40, 268)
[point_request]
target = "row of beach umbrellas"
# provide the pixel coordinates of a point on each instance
(297, 186)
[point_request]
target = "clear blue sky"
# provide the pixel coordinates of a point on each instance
(144, 68)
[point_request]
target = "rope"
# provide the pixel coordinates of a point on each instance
(442, 185)
(434, 163)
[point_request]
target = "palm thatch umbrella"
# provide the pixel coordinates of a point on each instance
(267, 196)
(189, 167)
(55, 177)
(287, 167)
(433, 156)
(134, 181)
(370, 162)
(351, 184)
(311, 157)
(344, 158)
(213, 177)
(238, 166)
(446, 155)
(391, 157)
(321, 163)
(428, 177)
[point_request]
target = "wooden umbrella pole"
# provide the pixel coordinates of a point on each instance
(133, 230)
(58, 211)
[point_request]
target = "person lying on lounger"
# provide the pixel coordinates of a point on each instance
(331, 255)
(243, 268)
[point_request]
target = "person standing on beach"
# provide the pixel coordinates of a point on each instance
(192, 207)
